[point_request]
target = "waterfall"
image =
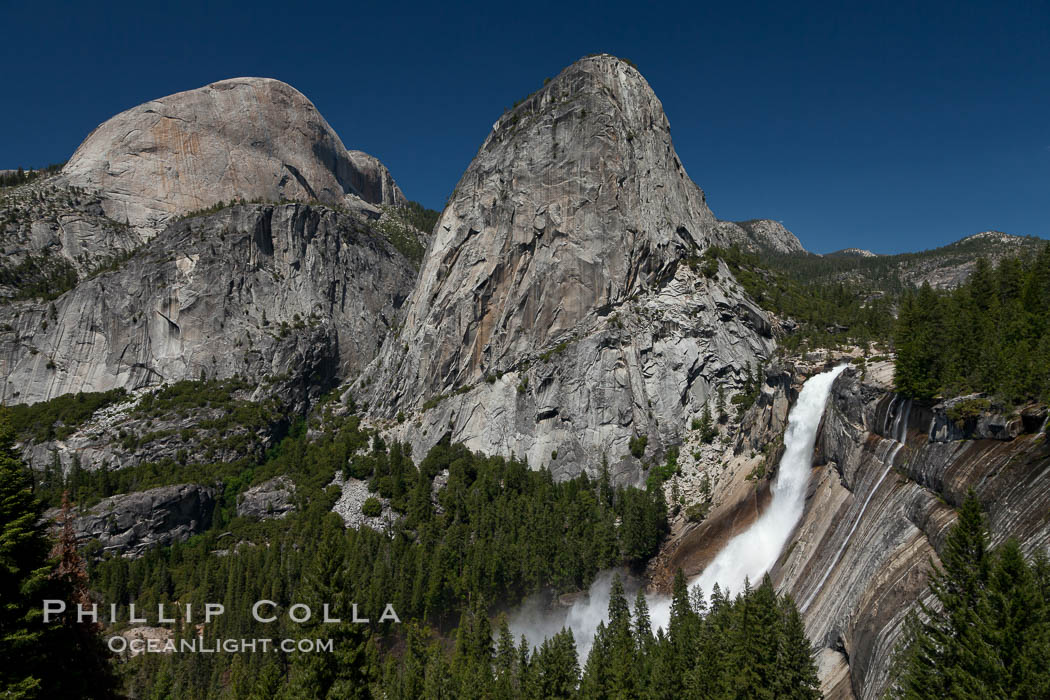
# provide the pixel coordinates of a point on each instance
(749, 555)
(898, 436)
(753, 552)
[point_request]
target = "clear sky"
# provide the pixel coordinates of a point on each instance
(888, 126)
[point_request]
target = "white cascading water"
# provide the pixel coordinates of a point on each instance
(749, 555)
(754, 551)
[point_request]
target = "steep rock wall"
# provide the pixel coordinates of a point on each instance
(554, 317)
(297, 294)
(879, 509)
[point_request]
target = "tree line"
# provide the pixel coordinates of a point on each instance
(749, 646)
(21, 176)
(989, 335)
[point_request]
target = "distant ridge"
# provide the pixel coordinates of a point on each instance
(852, 252)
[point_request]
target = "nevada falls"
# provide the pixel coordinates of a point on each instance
(576, 305)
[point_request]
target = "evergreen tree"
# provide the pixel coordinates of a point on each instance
(24, 571)
(554, 671)
(987, 627)
(92, 674)
(681, 631)
(31, 650)
(1019, 626)
(506, 660)
(720, 405)
(795, 676)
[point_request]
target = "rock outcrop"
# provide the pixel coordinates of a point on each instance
(762, 236)
(555, 315)
(270, 499)
(143, 639)
(48, 231)
(297, 295)
(878, 512)
(351, 502)
(125, 434)
(238, 139)
(130, 524)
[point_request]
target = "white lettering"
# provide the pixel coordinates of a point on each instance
(258, 605)
(327, 615)
(389, 614)
(53, 607)
(82, 613)
(299, 606)
(213, 610)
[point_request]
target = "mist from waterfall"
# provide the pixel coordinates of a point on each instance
(749, 555)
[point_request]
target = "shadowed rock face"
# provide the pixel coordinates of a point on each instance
(130, 524)
(296, 293)
(554, 294)
(879, 511)
(243, 138)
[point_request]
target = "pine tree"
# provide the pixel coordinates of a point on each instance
(92, 675)
(505, 662)
(24, 571)
(744, 677)
(947, 649)
(595, 680)
(708, 429)
(31, 650)
(554, 670)
(682, 630)
(1018, 625)
(795, 675)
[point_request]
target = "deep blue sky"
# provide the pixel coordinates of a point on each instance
(888, 126)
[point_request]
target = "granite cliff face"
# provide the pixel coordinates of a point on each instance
(295, 294)
(129, 524)
(48, 231)
(762, 236)
(556, 315)
(243, 138)
(880, 507)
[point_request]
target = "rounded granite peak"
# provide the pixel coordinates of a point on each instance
(595, 79)
(241, 138)
(252, 80)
